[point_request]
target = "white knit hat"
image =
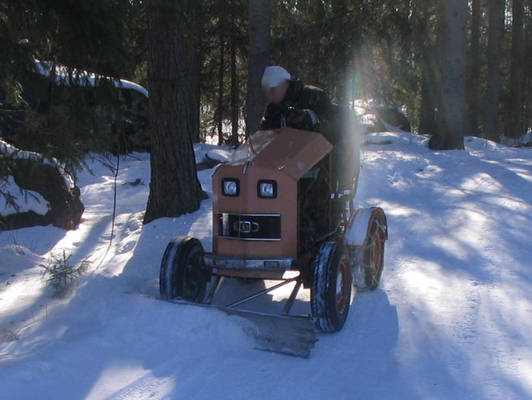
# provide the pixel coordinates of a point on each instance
(274, 76)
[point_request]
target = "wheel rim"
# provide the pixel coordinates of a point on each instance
(342, 286)
(375, 255)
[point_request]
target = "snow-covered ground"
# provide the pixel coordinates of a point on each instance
(452, 318)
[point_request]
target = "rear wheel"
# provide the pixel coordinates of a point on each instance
(182, 272)
(331, 287)
(373, 256)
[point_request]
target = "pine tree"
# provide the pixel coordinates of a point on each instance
(514, 123)
(174, 187)
(60, 119)
(494, 81)
(258, 60)
(473, 87)
(451, 118)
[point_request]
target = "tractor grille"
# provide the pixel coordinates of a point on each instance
(249, 226)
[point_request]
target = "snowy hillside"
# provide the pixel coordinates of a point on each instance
(451, 320)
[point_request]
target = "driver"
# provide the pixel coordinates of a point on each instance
(291, 103)
(296, 105)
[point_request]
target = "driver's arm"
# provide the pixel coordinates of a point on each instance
(305, 119)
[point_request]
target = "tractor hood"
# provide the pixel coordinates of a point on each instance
(281, 156)
(287, 150)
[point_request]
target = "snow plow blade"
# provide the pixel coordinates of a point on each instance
(293, 335)
(285, 334)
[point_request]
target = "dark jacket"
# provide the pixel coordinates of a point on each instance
(293, 110)
(336, 123)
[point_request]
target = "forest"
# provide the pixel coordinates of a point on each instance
(453, 68)
(162, 238)
(392, 52)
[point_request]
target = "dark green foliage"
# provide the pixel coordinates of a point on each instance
(64, 119)
(386, 50)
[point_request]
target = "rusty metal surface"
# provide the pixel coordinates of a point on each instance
(289, 150)
(283, 156)
(293, 152)
(248, 202)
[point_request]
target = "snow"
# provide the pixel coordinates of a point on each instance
(61, 72)
(523, 140)
(26, 200)
(207, 152)
(15, 153)
(220, 155)
(451, 319)
(526, 139)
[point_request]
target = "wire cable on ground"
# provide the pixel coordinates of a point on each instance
(114, 212)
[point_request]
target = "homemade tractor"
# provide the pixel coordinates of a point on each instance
(278, 217)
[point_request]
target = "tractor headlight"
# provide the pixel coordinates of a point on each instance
(230, 187)
(267, 189)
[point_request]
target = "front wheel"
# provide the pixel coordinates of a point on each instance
(183, 274)
(330, 294)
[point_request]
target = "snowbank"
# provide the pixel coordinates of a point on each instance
(207, 153)
(524, 140)
(26, 200)
(13, 152)
(80, 77)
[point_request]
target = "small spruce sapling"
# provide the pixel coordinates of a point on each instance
(61, 274)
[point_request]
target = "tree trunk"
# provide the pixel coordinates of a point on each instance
(514, 126)
(473, 87)
(233, 140)
(174, 187)
(424, 45)
(341, 59)
(528, 76)
(258, 60)
(427, 117)
(495, 32)
(318, 66)
(451, 106)
(193, 34)
(194, 91)
(219, 108)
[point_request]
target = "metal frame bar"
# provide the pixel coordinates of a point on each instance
(250, 214)
(214, 289)
(248, 239)
(266, 264)
(263, 292)
(290, 302)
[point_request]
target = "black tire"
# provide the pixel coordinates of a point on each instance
(183, 274)
(330, 294)
(373, 256)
